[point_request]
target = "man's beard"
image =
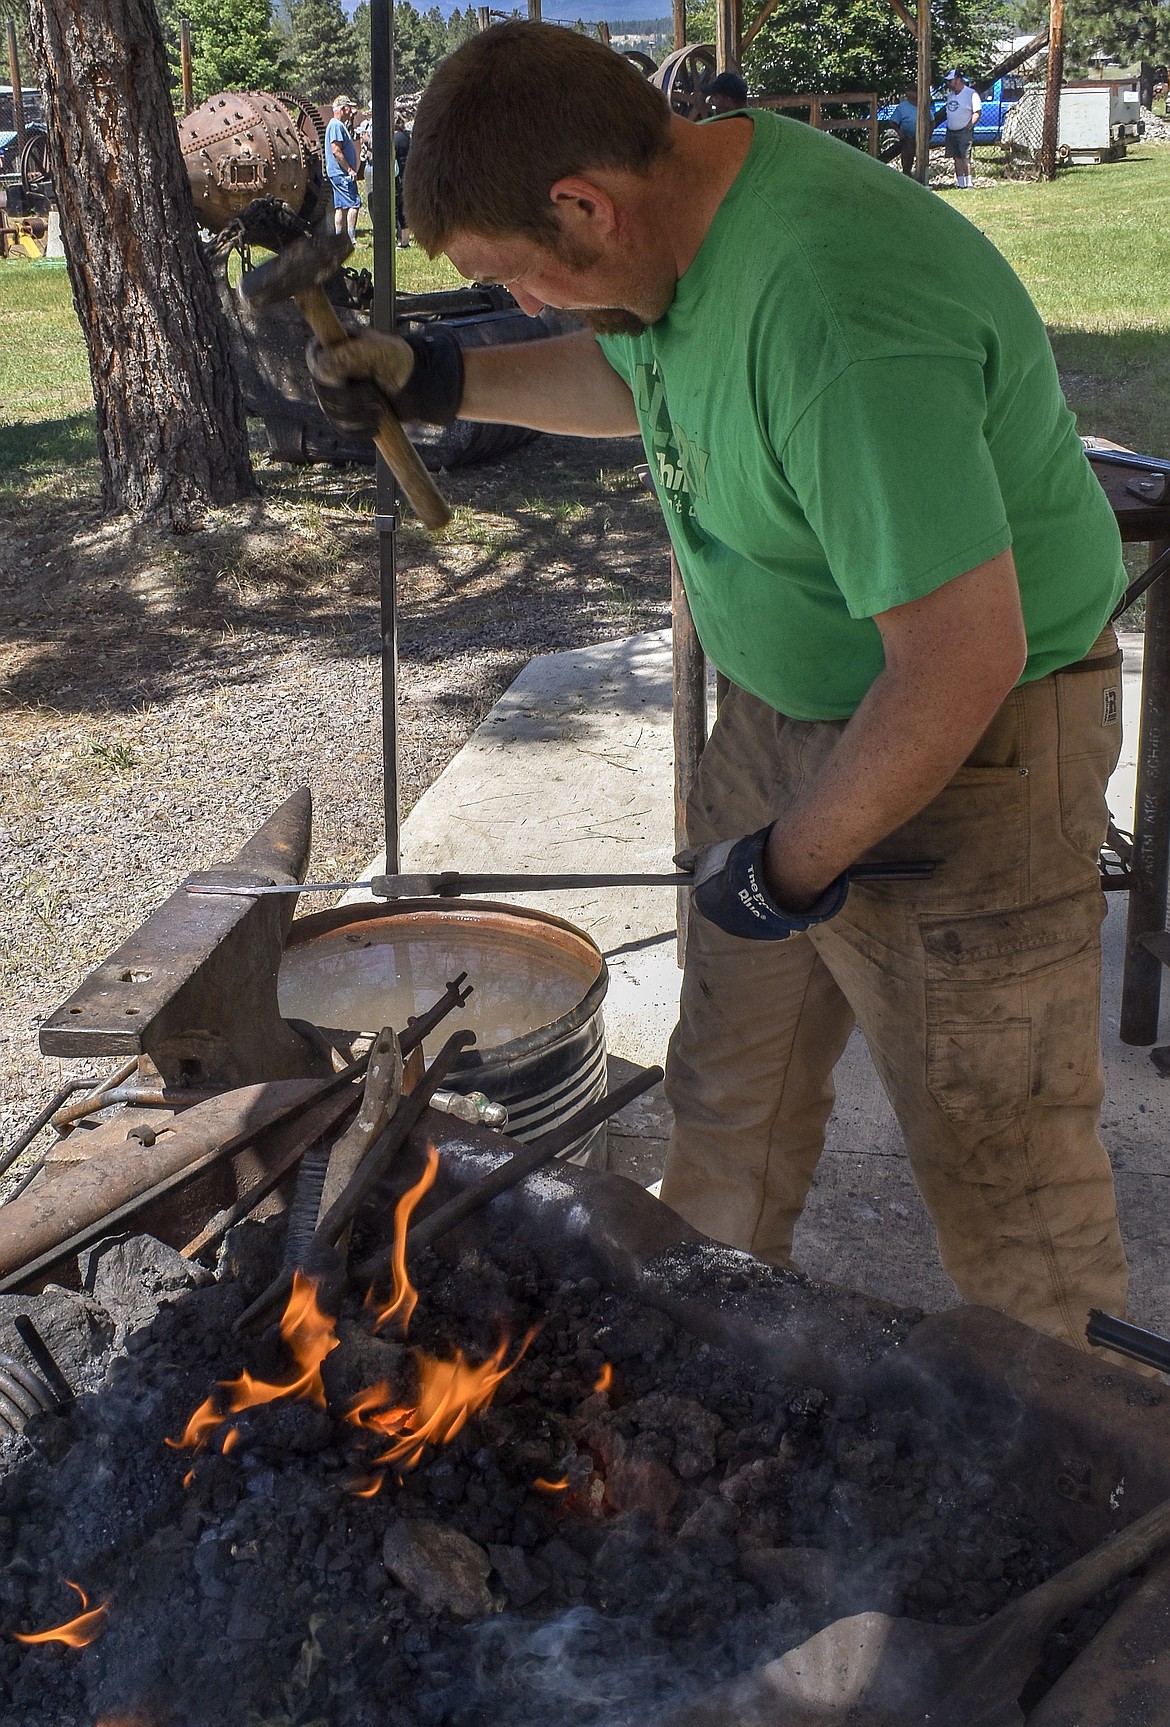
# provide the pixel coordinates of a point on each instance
(614, 321)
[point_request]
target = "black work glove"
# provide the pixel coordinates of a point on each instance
(729, 890)
(420, 376)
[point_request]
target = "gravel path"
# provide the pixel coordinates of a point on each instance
(161, 697)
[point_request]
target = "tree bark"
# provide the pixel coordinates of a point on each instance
(172, 435)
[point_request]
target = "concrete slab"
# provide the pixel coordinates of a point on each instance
(573, 770)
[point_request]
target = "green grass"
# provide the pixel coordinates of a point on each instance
(1087, 248)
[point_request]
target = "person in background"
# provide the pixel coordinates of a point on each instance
(363, 134)
(725, 93)
(341, 162)
(401, 152)
(964, 106)
(905, 118)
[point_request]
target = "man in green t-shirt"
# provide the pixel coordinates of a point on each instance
(894, 548)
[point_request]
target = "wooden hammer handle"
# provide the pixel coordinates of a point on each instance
(404, 461)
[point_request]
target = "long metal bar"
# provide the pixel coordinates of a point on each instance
(450, 884)
(185, 65)
(41, 1120)
(383, 317)
(1141, 987)
(1109, 1332)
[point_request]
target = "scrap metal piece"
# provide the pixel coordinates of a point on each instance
(194, 989)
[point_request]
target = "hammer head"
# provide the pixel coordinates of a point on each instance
(304, 265)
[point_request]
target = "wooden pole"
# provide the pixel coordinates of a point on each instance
(690, 722)
(17, 91)
(534, 11)
(185, 65)
(728, 32)
(679, 16)
(483, 17)
(1051, 130)
(925, 125)
(603, 32)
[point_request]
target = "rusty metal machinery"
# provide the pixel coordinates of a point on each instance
(681, 77)
(248, 144)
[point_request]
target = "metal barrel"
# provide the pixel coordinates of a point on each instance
(538, 988)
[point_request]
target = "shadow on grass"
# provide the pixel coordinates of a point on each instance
(31, 448)
(555, 544)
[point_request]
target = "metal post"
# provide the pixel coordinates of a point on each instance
(925, 110)
(1051, 127)
(689, 671)
(185, 65)
(17, 91)
(1150, 869)
(728, 31)
(383, 317)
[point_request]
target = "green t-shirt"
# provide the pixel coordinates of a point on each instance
(850, 401)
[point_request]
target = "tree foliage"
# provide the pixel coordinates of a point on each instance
(233, 45)
(826, 46)
(1127, 31)
(421, 40)
(326, 60)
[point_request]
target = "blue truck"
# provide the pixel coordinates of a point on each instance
(998, 101)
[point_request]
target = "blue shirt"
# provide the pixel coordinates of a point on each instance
(337, 132)
(905, 117)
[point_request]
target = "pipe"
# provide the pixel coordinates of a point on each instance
(55, 1380)
(1108, 1332)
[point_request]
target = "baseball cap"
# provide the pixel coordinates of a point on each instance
(344, 102)
(954, 74)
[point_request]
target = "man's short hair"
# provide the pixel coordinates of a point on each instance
(515, 109)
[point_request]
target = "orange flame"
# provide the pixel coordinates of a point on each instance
(404, 1299)
(309, 1335)
(543, 1485)
(604, 1378)
(366, 1486)
(450, 1392)
(76, 1633)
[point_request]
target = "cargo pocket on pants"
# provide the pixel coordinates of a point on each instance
(1088, 709)
(1013, 1009)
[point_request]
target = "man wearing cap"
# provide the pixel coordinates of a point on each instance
(725, 93)
(341, 162)
(897, 553)
(964, 106)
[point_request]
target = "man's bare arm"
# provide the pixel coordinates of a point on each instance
(951, 660)
(562, 384)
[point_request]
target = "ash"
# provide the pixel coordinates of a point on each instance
(711, 1518)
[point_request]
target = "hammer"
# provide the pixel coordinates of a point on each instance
(299, 273)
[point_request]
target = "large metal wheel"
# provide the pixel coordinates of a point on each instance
(36, 181)
(681, 77)
(645, 63)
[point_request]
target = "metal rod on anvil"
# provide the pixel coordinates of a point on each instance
(374, 1166)
(452, 884)
(520, 1165)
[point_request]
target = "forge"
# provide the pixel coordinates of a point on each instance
(518, 1454)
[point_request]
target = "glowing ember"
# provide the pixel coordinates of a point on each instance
(543, 1485)
(404, 1298)
(309, 1335)
(77, 1633)
(604, 1378)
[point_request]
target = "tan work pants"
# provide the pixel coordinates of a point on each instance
(978, 993)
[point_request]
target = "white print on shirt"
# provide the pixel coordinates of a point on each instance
(963, 108)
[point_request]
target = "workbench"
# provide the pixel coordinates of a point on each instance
(1147, 875)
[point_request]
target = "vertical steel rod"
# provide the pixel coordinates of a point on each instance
(925, 121)
(14, 80)
(185, 65)
(1141, 987)
(385, 235)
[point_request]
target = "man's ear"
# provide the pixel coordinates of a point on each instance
(583, 206)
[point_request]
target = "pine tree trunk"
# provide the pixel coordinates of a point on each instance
(171, 429)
